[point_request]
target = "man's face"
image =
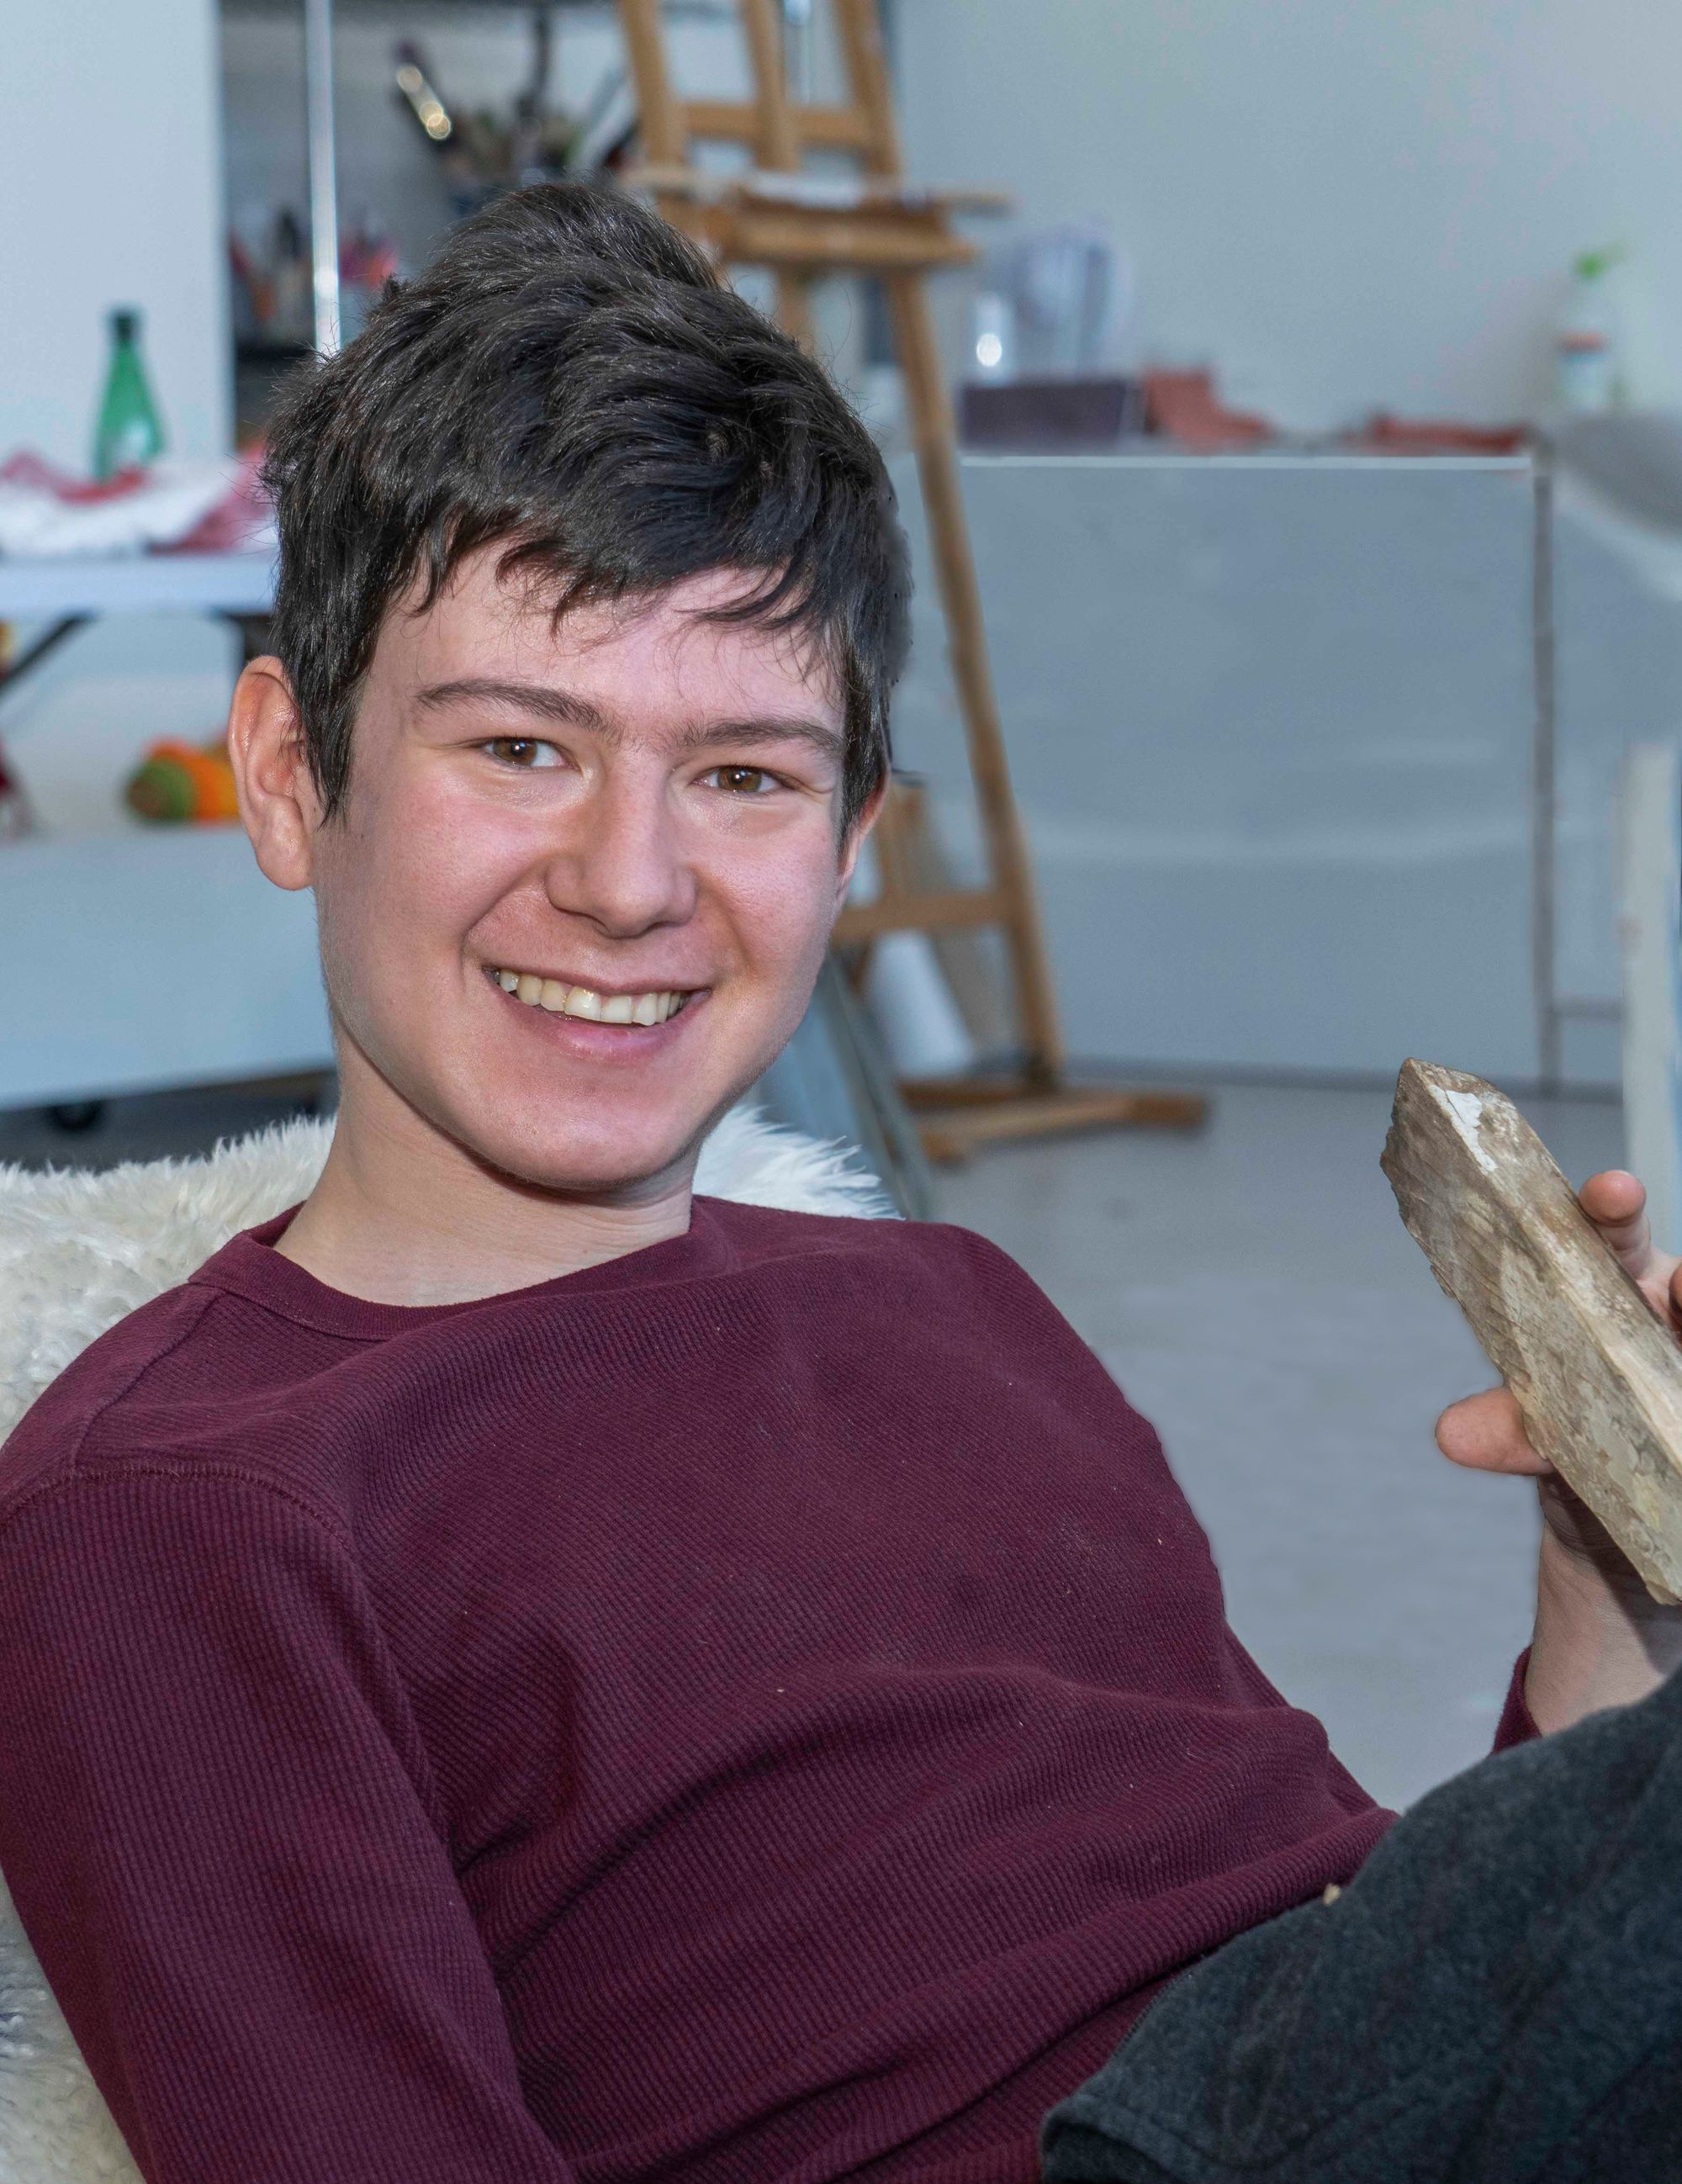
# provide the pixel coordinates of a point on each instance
(635, 814)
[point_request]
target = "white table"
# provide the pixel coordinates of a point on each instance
(1282, 728)
(78, 589)
(158, 955)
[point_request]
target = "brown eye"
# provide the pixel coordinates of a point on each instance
(516, 750)
(742, 780)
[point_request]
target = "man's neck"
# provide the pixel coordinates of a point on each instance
(403, 1215)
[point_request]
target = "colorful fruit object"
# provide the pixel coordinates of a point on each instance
(177, 780)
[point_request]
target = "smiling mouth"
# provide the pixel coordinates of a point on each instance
(652, 1006)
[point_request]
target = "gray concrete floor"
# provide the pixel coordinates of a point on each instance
(1253, 1290)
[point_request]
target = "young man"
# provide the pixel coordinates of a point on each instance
(515, 1675)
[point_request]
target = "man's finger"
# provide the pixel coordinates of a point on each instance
(1615, 1201)
(1617, 1204)
(1486, 1433)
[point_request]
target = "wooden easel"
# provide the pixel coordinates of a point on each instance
(801, 227)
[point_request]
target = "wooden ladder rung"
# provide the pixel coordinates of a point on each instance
(822, 238)
(768, 187)
(927, 1095)
(733, 121)
(952, 910)
(953, 1133)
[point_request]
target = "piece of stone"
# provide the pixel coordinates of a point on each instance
(1597, 1378)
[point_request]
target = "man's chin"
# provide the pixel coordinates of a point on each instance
(610, 1164)
(631, 1145)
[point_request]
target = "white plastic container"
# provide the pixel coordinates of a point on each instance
(1587, 363)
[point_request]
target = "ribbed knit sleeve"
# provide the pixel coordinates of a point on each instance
(219, 1829)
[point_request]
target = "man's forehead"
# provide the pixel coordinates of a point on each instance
(666, 648)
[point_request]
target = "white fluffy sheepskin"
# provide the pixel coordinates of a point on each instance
(79, 1249)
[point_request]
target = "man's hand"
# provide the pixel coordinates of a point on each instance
(1602, 1640)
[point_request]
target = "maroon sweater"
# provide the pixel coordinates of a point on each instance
(757, 1711)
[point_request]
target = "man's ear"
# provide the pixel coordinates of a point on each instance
(278, 800)
(853, 840)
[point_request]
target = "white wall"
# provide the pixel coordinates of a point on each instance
(110, 181)
(1342, 208)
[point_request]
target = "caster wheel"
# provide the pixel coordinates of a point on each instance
(75, 1115)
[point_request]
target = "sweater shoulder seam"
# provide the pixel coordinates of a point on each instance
(154, 1355)
(215, 1290)
(63, 1481)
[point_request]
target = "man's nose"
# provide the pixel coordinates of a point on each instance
(623, 868)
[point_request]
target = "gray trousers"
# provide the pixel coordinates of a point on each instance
(1495, 1999)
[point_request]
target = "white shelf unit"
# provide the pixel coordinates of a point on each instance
(156, 959)
(147, 957)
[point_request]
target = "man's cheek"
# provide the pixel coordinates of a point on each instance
(454, 860)
(784, 903)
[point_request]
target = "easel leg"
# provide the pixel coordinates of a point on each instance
(930, 413)
(795, 309)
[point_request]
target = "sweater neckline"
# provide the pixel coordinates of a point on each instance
(249, 1265)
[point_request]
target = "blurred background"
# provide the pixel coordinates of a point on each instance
(1316, 382)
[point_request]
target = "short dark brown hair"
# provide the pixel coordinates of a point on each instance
(571, 376)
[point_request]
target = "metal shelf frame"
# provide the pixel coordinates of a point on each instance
(317, 17)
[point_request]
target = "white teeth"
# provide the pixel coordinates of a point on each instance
(562, 1000)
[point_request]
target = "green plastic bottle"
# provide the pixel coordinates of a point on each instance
(130, 432)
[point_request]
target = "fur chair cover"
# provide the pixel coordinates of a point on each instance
(79, 1249)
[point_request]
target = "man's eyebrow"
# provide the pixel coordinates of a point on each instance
(827, 741)
(540, 698)
(544, 702)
